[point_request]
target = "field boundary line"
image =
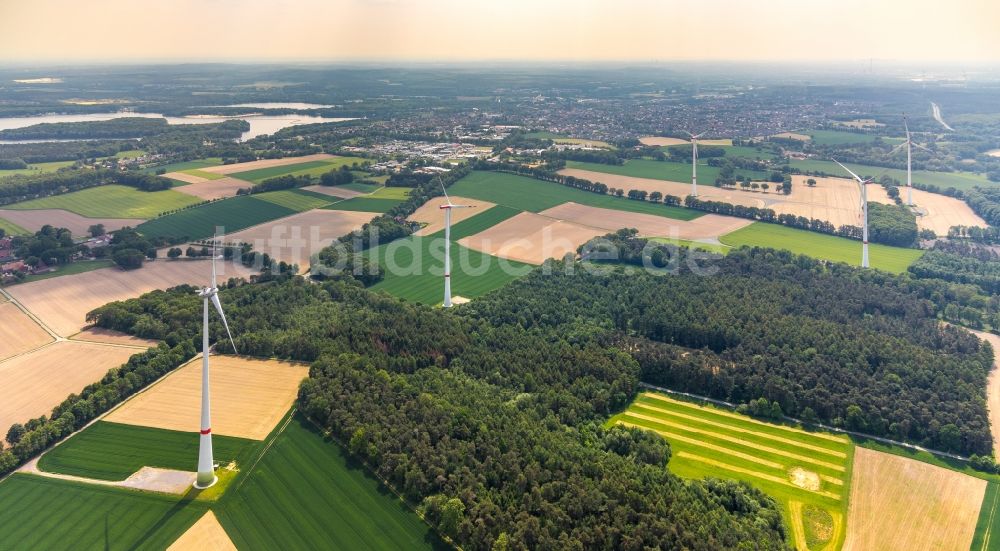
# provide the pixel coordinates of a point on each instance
(10, 298)
(835, 453)
(741, 442)
(913, 447)
(713, 447)
(989, 523)
(748, 472)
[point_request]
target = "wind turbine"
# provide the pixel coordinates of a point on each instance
(909, 143)
(206, 462)
(447, 242)
(863, 184)
(694, 162)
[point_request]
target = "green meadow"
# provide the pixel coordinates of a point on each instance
(308, 493)
(199, 222)
(822, 246)
(11, 228)
(312, 169)
(662, 170)
(987, 534)
(184, 165)
(36, 168)
(78, 267)
(112, 201)
(113, 451)
(365, 204)
(808, 472)
(533, 195)
(957, 180)
(480, 222)
(299, 200)
(835, 137)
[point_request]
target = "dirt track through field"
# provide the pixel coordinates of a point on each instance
(32, 384)
(431, 214)
(993, 389)
(205, 535)
(33, 220)
(63, 302)
(249, 397)
(265, 163)
(531, 238)
(214, 189)
(296, 238)
(899, 503)
(18, 332)
(707, 227)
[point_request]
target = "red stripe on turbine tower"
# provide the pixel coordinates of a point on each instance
(206, 431)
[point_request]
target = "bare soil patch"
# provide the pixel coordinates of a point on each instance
(296, 238)
(205, 535)
(213, 189)
(709, 226)
(32, 384)
(18, 332)
(62, 303)
(899, 503)
(531, 238)
(661, 141)
(804, 479)
(678, 189)
(249, 397)
(430, 213)
(334, 191)
(33, 220)
(265, 163)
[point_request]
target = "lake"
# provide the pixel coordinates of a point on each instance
(260, 125)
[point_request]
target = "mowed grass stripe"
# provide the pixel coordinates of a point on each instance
(748, 472)
(297, 200)
(744, 420)
(988, 525)
(199, 222)
(737, 441)
(730, 427)
(671, 436)
(480, 222)
(112, 201)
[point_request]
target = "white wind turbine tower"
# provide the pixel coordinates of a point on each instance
(206, 462)
(447, 243)
(694, 162)
(863, 184)
(909, 143)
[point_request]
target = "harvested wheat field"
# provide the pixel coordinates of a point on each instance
(793, 136)
(899, 503)
(185, 177)
(706, 191)
(661, 141)
(264, 163)
(249, 397)
(205, 535)
(213, 189)
(334, 191)
(531, 238)
(296, 238)
(62, 303)
(32, 384)
(108, 336)
(18, 332)
(836, 200)
(942, 212)
(709, 226)
(33, 220)
(430, 213)
(993, 388)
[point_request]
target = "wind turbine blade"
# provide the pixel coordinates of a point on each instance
(689, 134)
(700, 135)
(446, 198)
(906, 126)
(922, 147)
(218, 308)
(856, 177)
(897, 148)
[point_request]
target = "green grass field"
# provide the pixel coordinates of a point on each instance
(365, 204)
(37, 168)
(398, 193)
(987, 534)
(312, 169)
(360, 187)
(204, 174)
(836, 137)
(710, 247)
(78, 267)
(413, 269)
(480, 222)
(11, 228)
(184, 165)
(712, 442)
(199, 222)
(662, 170)
(45, 513)
(113, 451)
(957, 180)
(308, 493)
(112, 201)
(530, 194)
(822, 246)
(298, 200)
(130, 154)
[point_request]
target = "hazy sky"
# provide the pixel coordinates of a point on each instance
(765, 30)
